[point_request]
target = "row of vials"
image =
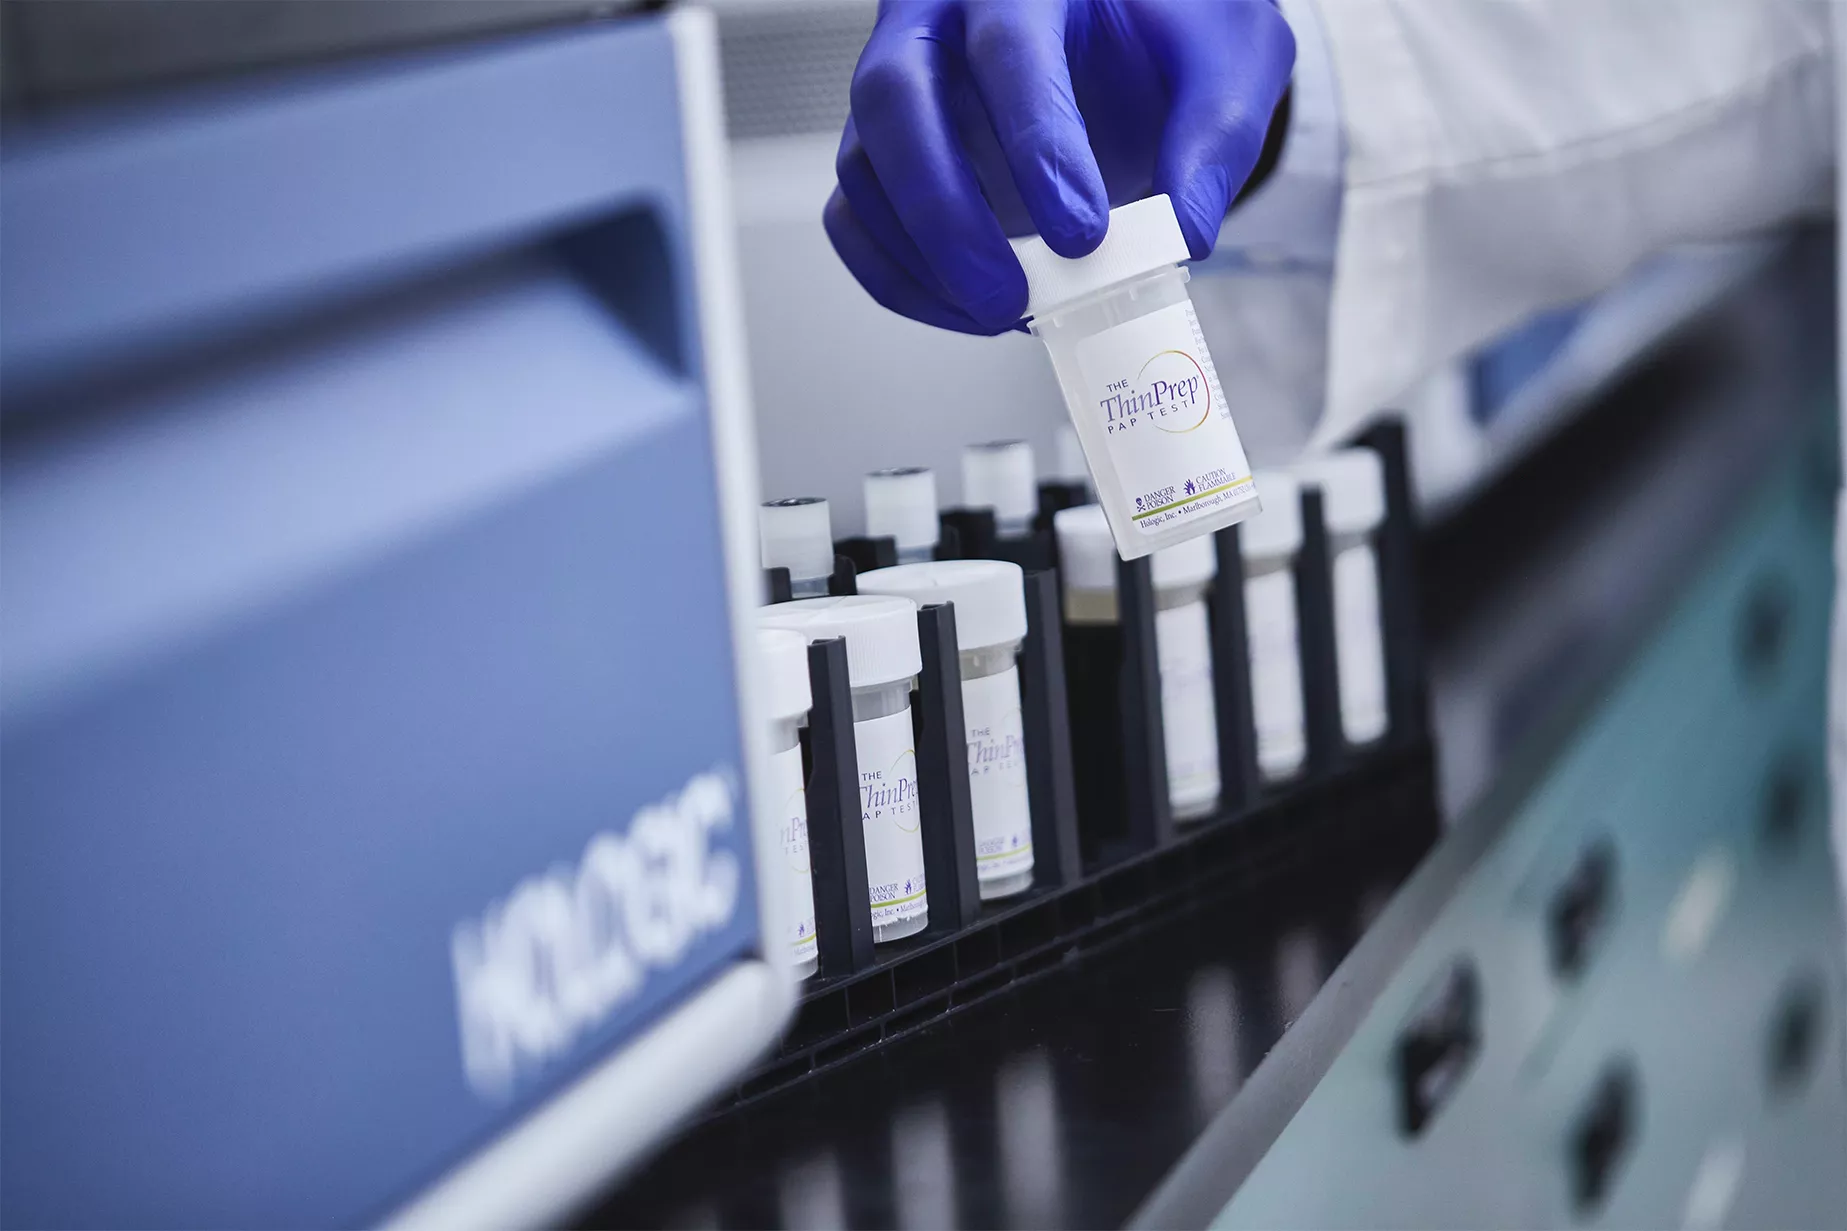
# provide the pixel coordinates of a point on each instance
(878, 623)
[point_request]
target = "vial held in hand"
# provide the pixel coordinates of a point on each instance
(1138, 381)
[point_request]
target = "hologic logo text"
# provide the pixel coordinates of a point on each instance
(555, 957)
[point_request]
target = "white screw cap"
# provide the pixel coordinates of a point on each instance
(999, 475)
(902, 503)
(989, 595)
(784, 657)
(1186, 564)
(1143, 235)
(1086, 550)
(1277, 531)
(798, 535)
(880, 631)
(1087, 554)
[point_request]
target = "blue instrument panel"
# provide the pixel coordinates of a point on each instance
(374, 765)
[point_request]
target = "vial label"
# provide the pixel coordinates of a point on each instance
(1165, 424)
(889, 815)
(1276, 672)
(787, 788)
(997, 774)
(1183, 644)
(1360, 647)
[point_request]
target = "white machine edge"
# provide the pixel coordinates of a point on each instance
(538, 1172)
(607, 1120)
(734, 442)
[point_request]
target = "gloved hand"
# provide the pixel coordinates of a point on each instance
(973, 120)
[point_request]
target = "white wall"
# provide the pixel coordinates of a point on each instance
(843, 386)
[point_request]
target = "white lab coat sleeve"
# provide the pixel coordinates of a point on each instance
(1509, 155)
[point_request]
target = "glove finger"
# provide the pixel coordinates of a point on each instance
(1016, 54)
(904, 127)
(1225, 90)
(859, 184)
(884, 279)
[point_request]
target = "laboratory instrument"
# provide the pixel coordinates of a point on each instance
(342, 646)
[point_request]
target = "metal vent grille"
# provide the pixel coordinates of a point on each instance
(787, 66)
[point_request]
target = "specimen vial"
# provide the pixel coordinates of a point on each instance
(1183, 642)
(1269, 543)
(901, 504)
(784, 657)
(1352, 484)
(797, 534)
(990, 611)
(1138, 382)
(882, 660)
(1072, 468)
(999, 475)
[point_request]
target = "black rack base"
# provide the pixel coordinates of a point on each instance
(1381, 800)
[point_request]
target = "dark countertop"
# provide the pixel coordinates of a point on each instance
(1061, 1102)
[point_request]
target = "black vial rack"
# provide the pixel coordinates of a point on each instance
(1091, 704)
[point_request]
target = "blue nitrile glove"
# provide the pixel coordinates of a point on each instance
(974, 120)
